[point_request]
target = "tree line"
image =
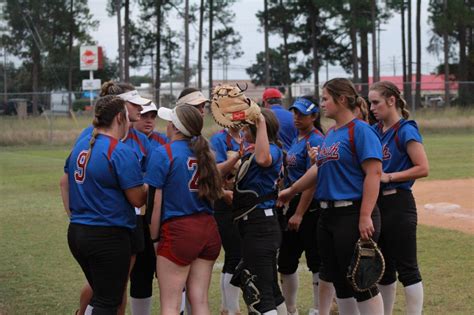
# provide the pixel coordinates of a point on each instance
(46, 36)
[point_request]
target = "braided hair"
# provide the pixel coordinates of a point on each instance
(388, 89)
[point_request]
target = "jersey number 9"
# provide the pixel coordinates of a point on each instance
(80, 172)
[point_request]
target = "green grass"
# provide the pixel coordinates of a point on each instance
(39, 276)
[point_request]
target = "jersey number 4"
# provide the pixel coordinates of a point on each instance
(193, 182)
(80, 172)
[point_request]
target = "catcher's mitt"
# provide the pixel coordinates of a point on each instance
(231, 108)
(367, 266)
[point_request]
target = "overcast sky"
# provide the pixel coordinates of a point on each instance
(253, 42)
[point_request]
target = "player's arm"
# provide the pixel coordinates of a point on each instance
(137, 195)
(307, 181)
(262, 146)
(420, 168)
(227, 166)
(303, 205)
(64, 185)
(156, 214)
(373, 171)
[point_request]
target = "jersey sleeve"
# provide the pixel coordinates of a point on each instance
(158, 168)
(127, 167)
(66, 163)
(220, 148)
(409, 132)
(367, 142)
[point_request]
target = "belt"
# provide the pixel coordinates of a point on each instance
(266, 212)
(387, 192)
(335, 204)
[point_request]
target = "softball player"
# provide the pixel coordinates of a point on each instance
(186, 180)
(104, 182)
(140, 145)
(348, 180)
(404, 161)
(146, 125)
(223, 142)
(301, 215)
(194, 97)
(253, 206)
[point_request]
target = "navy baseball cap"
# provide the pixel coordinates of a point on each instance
(305, 106)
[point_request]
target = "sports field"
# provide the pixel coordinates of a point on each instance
(39, 276)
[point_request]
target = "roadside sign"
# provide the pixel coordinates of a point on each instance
(90, 58)
(91, 84)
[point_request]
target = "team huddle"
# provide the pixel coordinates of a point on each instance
(276, 184)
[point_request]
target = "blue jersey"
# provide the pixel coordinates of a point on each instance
(340, 174)
(135, 139)
(297, 157)
(173, 169)
(156, 139)
(394, 147)
(221, 142)
(96, 190)
(139, 143)
(264, 180)
(287, 131)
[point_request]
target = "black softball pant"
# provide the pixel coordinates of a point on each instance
(104, 256)
(295, 242)
(260, 238)
(229, 236)
(338, 232)
(142, 275)
(398, 237)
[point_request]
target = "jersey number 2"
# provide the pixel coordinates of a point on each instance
(80, 172)
(193, 182)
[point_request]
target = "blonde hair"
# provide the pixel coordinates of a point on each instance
(388, 89)
(115, 88)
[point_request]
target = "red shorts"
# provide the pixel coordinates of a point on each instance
(184, 239)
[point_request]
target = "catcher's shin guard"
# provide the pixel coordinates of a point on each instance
(250, 291)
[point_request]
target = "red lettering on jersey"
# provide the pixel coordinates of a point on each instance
(386, 153)
(80, 172)
(291, 160)
(193, 182)
(328, 154)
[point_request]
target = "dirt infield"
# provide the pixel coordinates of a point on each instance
(446, 203)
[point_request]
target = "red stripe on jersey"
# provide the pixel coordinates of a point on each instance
(133, 136)
(112, 145)
(158, 138)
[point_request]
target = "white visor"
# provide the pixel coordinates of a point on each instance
(134, 98)
(170, 115)
(150, 108)
(194, 98)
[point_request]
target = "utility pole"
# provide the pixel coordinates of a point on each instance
(267, 49)
(394, 67)
(446, 57)
(5, 85)
(118, 6)
(373, 5)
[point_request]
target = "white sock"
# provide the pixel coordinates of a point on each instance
(388, 293)
(316, 290)
(289, 289)
(222, 287)
(414, 298)
(372, 306)
(326, 296)
(183, 302)
(347, 306)
(231, 295)
(88, 310)
(140, 306)
(281, 310)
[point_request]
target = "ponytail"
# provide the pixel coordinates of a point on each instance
(402, 104)
(210, 181)
(361, 104)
